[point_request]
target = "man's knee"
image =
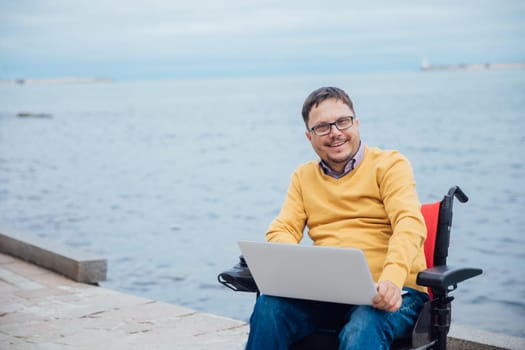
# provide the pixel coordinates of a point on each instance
(278, 322)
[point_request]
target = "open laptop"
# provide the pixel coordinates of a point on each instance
(319, 273)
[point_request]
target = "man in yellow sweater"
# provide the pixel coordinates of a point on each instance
(354, 196)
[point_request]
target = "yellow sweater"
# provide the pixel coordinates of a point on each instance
(374, 208)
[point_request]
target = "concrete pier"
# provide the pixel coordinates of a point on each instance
(41, 309)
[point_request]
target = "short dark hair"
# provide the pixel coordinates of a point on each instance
(319, 95)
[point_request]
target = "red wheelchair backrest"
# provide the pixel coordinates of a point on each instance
(431, 214)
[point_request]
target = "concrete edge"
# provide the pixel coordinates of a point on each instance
(73, 263)
(470, 338)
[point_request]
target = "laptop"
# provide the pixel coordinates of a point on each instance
(321, 273)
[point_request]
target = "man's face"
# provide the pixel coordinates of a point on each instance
(339, 146)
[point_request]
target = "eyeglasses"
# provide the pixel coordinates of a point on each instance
(342, 123)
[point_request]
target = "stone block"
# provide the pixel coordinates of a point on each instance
(70, 262)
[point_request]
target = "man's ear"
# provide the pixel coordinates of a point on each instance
(308, 135)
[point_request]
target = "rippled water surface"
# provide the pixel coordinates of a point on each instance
(162, 178)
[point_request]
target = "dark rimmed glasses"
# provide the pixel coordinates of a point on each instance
(342, 123)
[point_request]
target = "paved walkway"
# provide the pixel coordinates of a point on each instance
(42, 310)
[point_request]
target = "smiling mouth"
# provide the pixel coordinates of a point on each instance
(338, 144)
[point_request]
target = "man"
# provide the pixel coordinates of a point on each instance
(354, 196)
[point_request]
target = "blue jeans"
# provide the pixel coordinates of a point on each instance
(277, 322)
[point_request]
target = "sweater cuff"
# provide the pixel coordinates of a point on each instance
(394, 274)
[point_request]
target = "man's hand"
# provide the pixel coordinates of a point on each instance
(388, 297)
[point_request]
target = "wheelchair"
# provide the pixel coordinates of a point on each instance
(432, 326)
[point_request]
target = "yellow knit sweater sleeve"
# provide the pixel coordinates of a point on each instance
(374, 208)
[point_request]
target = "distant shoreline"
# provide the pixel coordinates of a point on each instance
(476, 66)
(65, 80)
(425, 66)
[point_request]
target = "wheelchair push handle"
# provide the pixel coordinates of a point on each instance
(457, 192)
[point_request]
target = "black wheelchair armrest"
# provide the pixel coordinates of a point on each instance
(441, 277)
(238, 278)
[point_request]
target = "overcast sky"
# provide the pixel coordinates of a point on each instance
(156, 39)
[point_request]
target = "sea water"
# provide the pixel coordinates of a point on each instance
(163, 177)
